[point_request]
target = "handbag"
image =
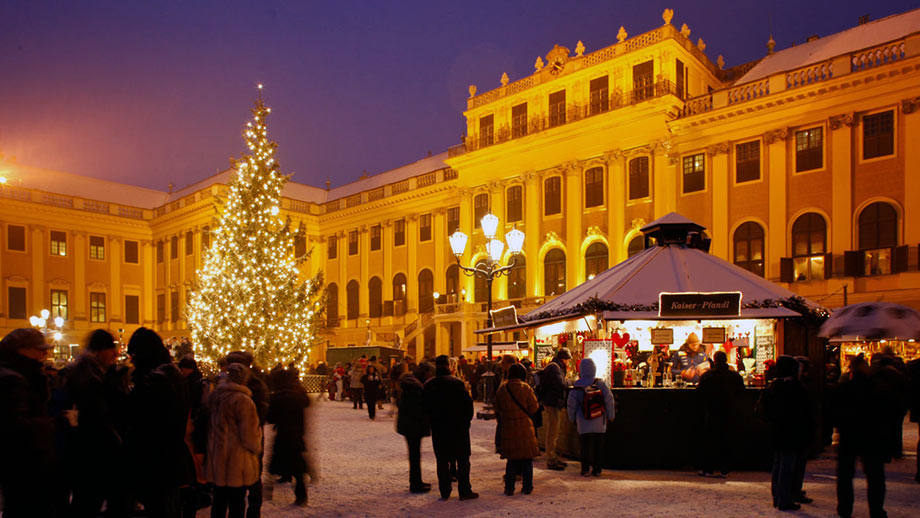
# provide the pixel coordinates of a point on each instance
(536, 418)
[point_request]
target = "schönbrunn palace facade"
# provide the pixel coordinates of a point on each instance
(799, 165)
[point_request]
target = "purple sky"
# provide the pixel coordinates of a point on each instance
(152, 92)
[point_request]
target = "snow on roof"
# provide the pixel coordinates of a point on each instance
(294, 190)
(81, 186)
(860, 37)
(425, 165)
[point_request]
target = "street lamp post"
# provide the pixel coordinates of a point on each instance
(489, 270)
(54, 334)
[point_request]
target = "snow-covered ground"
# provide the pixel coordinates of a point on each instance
(363, 471)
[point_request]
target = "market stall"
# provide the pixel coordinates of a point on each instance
(652, 324)
(870, 328)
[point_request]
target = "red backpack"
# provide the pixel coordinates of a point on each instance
(592, 405)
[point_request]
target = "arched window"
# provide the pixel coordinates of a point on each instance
(480, 208)
(453, 283)
(749, 247)
(636, 245)
(552, 196)
(425, 291)
(638, 178)
(480, 286)
(514, 197)
(399, 294)
(375, 297)
(554, 272)
(878, 233)
(332, 305)
(352, 294)
(594, 187)
(809, 244)
(596, 259)
(517, 278)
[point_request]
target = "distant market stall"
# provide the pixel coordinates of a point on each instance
(870, 328)
(652, 324)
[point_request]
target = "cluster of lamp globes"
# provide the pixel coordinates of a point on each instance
(41, 322)
(494, 247)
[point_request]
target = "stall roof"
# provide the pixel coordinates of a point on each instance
(630, 289)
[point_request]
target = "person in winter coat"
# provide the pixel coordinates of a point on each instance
(719, 390)
(450, 409)
(96, 445)
(412, 422)
(356, 388)
(286, 413)
(785, 407)
(551, 393)
(260, 396)
(158, 411)
(234, 442)
(688, 362)
(913, 371)
(515, 402)
(590, 431)
(26, 431)
(373, 389)
(382, 390)
(338, 377)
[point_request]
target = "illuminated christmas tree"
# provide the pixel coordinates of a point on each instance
(250, 295)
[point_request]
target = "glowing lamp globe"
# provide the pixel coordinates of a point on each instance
(489, 225)
(458, 242)
(515, 239)
(45, 314)
(495, 248)
(34, 320)
(58, 335)
(58, 321)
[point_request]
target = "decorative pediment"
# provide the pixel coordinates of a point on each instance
(837, 121)
(59, 282)
(552, 237)
(637, 223)
(98, 286)
(16, 278)
(594, 230)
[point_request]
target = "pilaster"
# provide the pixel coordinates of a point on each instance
(114, 260)
(718, 156)
(842, 184)
(466, 226)
(364, 254)
(149, 297)
(910, 108)
(439, 234)
(574, 209)
(412, 274)
(616, 205)
(386, 236)
(775, 246)
(38, 269)
(80, 307)
(531, 233)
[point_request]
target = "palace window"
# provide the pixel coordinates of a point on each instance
(453, 220)
(332, 305)
(16, 238)
(514, 200)
(517, 278)
(399, 295)
(557, 108)
(205, 238)
(749, 249)
(552, 196)
(638, 178)
(375, 297)
(161, 307)
(809, 148)
(519, 120)
(596, 259)
(694, 173)
(159, 251)
(554, 272)
(352, 242)
(809, 244)
(174, 306)
(174, 247)
(480, 208)
(189, 243)
(643, 81)
(679, 75)
(59, 304)
(486, 131)
(594, 187)
(452, 278)
(425, 291)
(97, 307)
(399, 232)
(16, 300)
(97, 247)
(636, 245)
(332, 245)
(878, 135)
(131, 252)
(480, 285)
(878, 234)
(352, 293)
(300, 246)
(747, 161)
(599, 98)
(375, 237)
(424, 227)
(132, 309)
(58, 242)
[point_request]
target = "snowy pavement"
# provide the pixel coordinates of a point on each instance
(363, 471)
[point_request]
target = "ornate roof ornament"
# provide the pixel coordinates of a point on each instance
(770, 46)
(538, 64)
(700, 44)
(667, 16)
(685, 31)
(621, 36)
(720, 62)
(504, 79)
(472, 90)
(579, 49)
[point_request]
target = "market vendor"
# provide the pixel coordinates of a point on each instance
(689, 362)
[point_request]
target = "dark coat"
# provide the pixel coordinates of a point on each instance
(784, 406)
(552, 385)
(286, 413)
(913, 372)
(97, 440)
(889, 392)
(518, 439)
(26, 431)
(411, 421)
(158, 414)
(450, 409)
(260, 396)
(372, 388)
(719, 390)
(857, 416)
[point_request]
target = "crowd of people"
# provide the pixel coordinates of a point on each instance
(148, 432)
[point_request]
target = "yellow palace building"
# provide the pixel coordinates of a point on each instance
(799, 164)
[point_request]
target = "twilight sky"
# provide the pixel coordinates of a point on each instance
(152, 92)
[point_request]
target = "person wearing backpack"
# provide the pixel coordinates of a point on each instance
(590, 405)
(551, 394)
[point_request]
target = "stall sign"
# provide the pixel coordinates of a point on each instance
(542, 351)
(763, 350)
(504, 317)
(699, 304)
(713, 335)
(662, 335)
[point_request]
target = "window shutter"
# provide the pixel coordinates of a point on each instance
(854, 263)
(899, 253)
(828, 265)
(786, 270)
(388, 308)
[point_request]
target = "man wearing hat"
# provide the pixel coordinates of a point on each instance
(689, 362)
(26, 431)
(551, 393)
(450, 410)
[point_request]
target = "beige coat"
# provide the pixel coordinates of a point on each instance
(234, 437)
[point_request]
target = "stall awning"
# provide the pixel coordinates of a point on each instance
(778, 312)
(504, 346)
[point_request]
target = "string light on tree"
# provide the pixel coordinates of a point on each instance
(249, 294)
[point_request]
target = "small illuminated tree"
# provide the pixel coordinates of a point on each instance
(249, 294)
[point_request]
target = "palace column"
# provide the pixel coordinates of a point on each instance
(573, 213)
(776, 231)
(439, 234)
(664, 179)
(79, 313)
(616, 205)
(38, 270)
(412, 274)
(466, 226)
(531, 233)
(841, 168)
(148, 315)
(910, 108)
(718, 156)
(115, 303)
(364, 254)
